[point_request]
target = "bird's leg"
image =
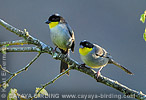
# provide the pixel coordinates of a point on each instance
(54, 50)
(66, 55)
(98, 72)
(82, 65)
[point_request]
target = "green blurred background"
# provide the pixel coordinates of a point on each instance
(113, 24)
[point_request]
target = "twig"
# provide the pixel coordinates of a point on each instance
(21, 70)
(50, 82)
(122, 88)
(24, 34)
(22, 49)
(16, 42)
(75, 65)
(5, 70)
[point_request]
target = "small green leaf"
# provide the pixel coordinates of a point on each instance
(144, 35)
(12, 94)
(43, 91)
(4, 48)
(5, 85)
(7, 45)
(142, 18)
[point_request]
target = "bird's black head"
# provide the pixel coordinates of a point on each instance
(55, 18)
(86, 43)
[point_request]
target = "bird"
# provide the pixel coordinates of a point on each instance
(62, 36)
(97, 57)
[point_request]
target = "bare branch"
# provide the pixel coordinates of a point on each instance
(74, 64)
(50, 82)
(22, 49)
(24, 34)
(12, 29)
(21, 70)
(16, 42)
(5, 70)
(122, 88)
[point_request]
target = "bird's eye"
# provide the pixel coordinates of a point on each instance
(53, 18)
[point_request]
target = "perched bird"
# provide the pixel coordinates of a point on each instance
(62, 36)
(96, 57)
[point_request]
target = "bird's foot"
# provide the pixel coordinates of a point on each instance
(66, 55)
(54, 50)
(98, 73)
(82, 65)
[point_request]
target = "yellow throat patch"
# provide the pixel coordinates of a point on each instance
(53, 24)
(84, 51)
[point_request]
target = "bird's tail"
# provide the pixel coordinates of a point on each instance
(63, 65)
(120, 66)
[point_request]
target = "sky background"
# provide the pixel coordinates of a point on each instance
(112, 24)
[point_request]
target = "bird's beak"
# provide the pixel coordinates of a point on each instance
(81, 46)
(47, 22)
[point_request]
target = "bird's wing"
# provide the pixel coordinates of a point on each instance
(101, 52)
(71, 32)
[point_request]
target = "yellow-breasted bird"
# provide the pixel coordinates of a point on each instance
(62, 36)
(96, 57)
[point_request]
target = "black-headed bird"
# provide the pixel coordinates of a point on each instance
(62, 36)
(96, 57)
